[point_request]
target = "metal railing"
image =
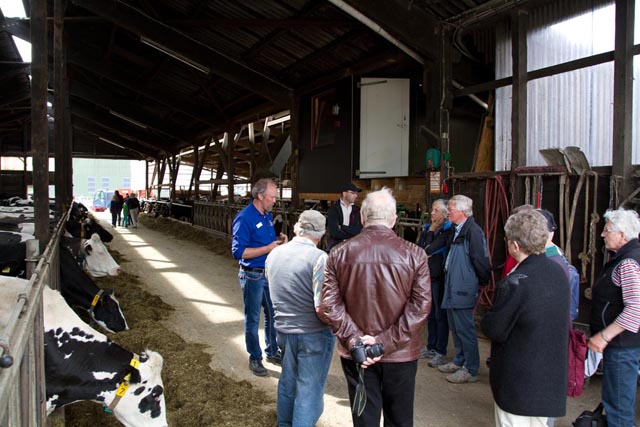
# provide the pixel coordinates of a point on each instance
(22, 381)
(217, 218)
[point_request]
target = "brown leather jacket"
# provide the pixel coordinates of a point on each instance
(377, 284)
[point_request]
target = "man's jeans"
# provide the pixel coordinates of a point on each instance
(255, 293)
(305, 365)
(437, 325)
(619, 384)
(465, 339)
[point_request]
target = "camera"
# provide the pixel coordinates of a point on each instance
(360, 352)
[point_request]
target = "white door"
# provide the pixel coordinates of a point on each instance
(384, 127)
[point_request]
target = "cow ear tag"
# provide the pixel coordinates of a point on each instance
(107, 410)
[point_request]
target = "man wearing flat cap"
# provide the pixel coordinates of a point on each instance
(343, 218)
(295, 272)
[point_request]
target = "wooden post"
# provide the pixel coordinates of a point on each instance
(623, 94)
(295, 141)
(519, 23)
(62, 147)
(39, 123)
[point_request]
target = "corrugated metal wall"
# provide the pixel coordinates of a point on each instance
(569, 109)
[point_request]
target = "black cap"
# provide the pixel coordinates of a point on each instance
(350, 187)
(551, 223)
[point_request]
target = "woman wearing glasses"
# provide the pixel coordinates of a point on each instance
(615, 316)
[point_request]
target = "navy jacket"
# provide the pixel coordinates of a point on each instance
(467, 267)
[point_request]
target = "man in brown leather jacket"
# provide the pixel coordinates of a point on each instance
(377, 290)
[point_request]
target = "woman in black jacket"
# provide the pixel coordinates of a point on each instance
(528, 328)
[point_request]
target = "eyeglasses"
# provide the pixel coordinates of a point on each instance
(304, 225)
(609, 231)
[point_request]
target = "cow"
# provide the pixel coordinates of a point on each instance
(13, 252)
(79, 290)
(83, 364)
(85, 228)
(97, 260)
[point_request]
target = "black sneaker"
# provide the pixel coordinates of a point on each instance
(257, 368)
(276, 359)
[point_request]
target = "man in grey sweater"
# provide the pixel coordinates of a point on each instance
(295, 272)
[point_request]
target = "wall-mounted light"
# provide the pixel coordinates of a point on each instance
(335, 110)
(175, 55)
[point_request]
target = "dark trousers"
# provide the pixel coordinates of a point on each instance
(438, 324)
(390, 391)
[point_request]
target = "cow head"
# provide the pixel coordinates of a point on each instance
(143, 404)
(107, 313)
(99, 263)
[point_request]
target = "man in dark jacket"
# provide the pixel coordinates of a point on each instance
(467, 267)
(343, 218)
(376, 290)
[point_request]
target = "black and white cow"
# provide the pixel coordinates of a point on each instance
(87, 227)
(97, 261)
(79, 290)
(13, 252)
(83, 364)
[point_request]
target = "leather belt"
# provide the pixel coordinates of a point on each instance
(254, 269)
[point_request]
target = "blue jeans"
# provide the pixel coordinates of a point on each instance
(465, 339)
(619, 384)
(305, 365)
(255, 293)
(437, 325)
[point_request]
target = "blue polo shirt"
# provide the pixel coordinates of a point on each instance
(251, 229)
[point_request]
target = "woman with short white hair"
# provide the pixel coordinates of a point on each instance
(615, 316)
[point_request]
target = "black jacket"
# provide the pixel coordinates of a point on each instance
(436, 244)
(529, 330)
(607, 298)
(339, 232)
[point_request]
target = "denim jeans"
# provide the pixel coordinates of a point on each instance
(255, 293)
(437, 325)
(465, 339)
(305, 365)
(390, 391)
(619, 384)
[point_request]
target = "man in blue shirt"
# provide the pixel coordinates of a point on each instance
(253, 238)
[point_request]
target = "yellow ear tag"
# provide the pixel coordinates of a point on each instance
(122, 390)
(95, 300)
(135, 363)
(6, 270)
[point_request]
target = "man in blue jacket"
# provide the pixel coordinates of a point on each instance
(467, 268)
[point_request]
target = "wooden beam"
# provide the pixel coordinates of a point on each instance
(519, 23)
(126, 109)
(123, 78)
(39, 123)
(127, 131)
(63, 172)
(565, 67)
(623, 95)
(133, 20)
(123, 144)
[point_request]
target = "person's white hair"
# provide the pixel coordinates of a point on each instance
(310, 224)
(440, 205)
(463, 204)
(625, 221)
(379, 207)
